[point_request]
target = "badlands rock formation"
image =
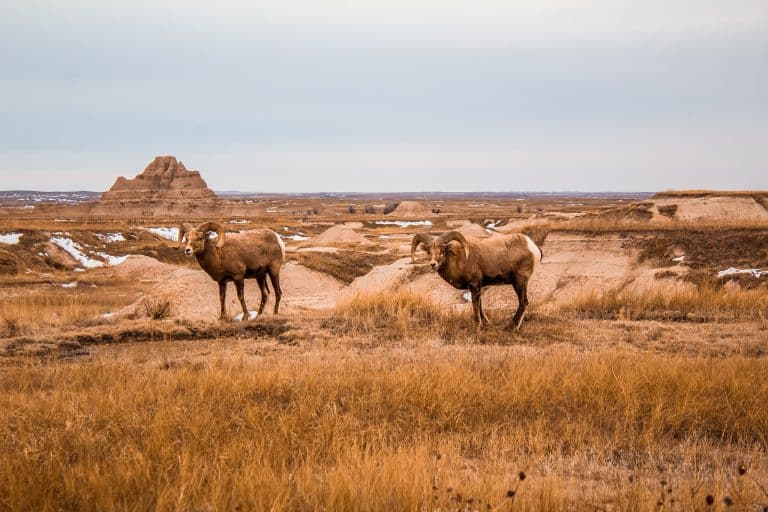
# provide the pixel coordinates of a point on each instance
(165, 188)
(164, 177)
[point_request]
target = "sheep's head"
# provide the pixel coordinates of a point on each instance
(441, 247)
(198, 237)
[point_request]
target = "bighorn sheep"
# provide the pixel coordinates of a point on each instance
(466, 262)
(254, 254)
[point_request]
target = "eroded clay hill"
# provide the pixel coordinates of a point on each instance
(164, 177)
(697, 206)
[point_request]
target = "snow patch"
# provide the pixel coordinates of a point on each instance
(403, 223)
(10, 238)
(112, 260)
(755, 272)
(238, 221)
(679, 259)
(110, 238)
(74, 250)
(167, 233)
(467, 296)
(73, 284)
(251, 316)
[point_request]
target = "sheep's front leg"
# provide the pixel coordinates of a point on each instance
(240, 287)
(222, 299)
(477, 305)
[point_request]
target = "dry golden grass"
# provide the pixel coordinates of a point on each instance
(400, 314)
(49, 306)
(596, 225)
(344, 431)
(703, 303)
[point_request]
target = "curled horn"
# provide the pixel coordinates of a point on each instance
(455, 236)
(205, 227)
(419, 238)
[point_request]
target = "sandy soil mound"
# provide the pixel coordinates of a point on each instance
(337, 235)
(194, 296)
(382, 278)
(411, 209)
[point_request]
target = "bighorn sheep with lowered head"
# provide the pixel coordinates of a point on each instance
(255, 254)
(472, 263)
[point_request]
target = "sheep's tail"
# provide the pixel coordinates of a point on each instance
(537, 232)
(280, 242)
(535, 250)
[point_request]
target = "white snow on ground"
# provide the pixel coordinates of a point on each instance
(751, 271)
(112, 260)
(10, 238)
(403, 223)
(74, 250)
(238, 221)
(679, 259)
(110, 237)
(251, 316)
(69, 285)
(467, 296)
(167, 233)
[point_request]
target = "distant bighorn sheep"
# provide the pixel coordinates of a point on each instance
(255, 254)
(472, 263)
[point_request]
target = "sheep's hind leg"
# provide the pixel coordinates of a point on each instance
(262, 281)
(520, 284)
(240, 287)
(274, 276)
(222, 300)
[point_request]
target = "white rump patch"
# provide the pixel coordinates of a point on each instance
(280, 241)
(535, 251)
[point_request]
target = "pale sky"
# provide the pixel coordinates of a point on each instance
(305, 96)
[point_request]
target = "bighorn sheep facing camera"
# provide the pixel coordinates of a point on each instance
(255, 254)
(472, 263)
